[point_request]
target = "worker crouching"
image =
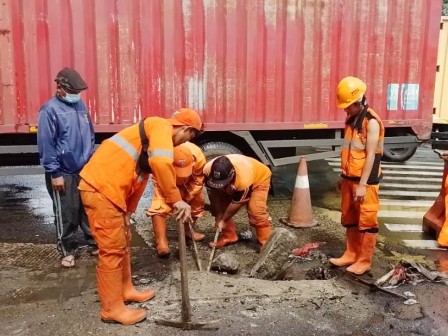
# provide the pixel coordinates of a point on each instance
(188, 162)
(233, 181)
(361, 173)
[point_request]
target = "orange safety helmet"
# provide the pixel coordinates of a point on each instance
(350, 90)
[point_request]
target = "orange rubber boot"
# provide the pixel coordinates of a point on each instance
(364, 259)
(197, 236)
(110, 292)
(353, 237)
(130, 294)
(227, 236)
(263, 234)
(159, 225)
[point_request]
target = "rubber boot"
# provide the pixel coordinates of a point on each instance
(263, 234)
(197, 236)
(227, 236)
(352, 241)
(110, 292)
(364, 258)
(130, 294)
(159, 225)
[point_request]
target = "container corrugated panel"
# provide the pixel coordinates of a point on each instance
(441, 88)
(244, 65)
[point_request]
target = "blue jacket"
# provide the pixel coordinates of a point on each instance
(65, 137)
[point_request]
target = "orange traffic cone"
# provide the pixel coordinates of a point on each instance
(435, 217)
(301, 213)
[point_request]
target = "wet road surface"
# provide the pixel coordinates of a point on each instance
(407, 191)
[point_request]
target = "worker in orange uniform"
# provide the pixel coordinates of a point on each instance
(112, 183)
(188, 162)
(361, 173)
(442, 239)
(232, 181)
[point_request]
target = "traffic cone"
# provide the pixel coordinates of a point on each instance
(301, 213)
(435, 217)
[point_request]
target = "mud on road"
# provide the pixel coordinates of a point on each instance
(39, 298)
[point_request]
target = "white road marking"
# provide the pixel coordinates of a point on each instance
(400, 214)
(409, 193)
(404, 227)
(423, 244)
(406, 203)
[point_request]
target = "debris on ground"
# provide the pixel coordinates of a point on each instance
(226, 262)
(304, 251)
(274, 254)
(374, 287)
(319, 273)
(421, 259)
(246, 235)
(410, 271)
(410, 302)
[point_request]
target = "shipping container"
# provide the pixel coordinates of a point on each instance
(262, 73)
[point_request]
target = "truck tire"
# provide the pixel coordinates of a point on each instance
(398, 154)
(214, 149)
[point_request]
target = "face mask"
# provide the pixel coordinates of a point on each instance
(72, 97)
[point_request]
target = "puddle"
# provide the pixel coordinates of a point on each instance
(52, 284)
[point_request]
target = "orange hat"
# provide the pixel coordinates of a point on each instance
(182, 161)
(186, 117)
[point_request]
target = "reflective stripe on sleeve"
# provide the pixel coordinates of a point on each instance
(125, 145)
(161, 152)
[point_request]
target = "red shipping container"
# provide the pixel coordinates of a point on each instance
(242, 64)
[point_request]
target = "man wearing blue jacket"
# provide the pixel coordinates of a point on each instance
(66, 139)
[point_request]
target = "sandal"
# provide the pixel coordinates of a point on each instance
(68, 261)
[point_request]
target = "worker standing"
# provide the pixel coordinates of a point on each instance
(66, 140)
(361, 173)
(232, 181)
(111, 186)
(188, 162)
(442, 239)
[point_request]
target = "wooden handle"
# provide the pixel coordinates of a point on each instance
(213, 250)
(186, 308)
(196, 253)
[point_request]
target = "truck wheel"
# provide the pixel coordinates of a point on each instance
(398, 154)
(214, 149)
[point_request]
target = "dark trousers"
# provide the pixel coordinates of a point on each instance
(73, 214)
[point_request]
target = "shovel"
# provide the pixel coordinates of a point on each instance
(185, 321)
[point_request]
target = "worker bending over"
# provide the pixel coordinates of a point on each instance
(232, 181)
(361, 173)
(112, 183)
(188, 162)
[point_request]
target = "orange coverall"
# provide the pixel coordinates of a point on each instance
(190, 188)
(112, 184)
(251, 186)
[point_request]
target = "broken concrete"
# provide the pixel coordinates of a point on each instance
(274, 254)
(226, 262)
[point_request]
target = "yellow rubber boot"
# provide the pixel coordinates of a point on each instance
(353, 237)
(113, 309)
(159, 225)
(364, 259)
(227, 236)
(130, 294)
